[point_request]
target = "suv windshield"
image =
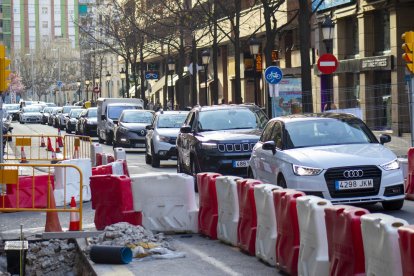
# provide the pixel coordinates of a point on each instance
(32, 109)
(115, 111)
(171, 120)
(75, 113)
(234, 118)
(137, 117)
(92, 113)
(66, 109)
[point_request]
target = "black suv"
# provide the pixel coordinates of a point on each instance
(219, 139)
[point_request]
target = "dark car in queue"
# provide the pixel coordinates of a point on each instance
(52, 117)
(219, 139)
(130, 130)
(13, 110)
(87, 122)
(72, 120)
(60, 121)
(45, 114)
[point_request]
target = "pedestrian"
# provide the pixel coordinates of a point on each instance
(169, 104)
(150, 105)
(223, 101)
(157, 105)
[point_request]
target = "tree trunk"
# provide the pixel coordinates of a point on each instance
(194, 59)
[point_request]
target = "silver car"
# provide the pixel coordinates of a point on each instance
(162, 135)
(31, 114)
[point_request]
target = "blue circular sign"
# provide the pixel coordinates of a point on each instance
(273, 74)
(151, 76)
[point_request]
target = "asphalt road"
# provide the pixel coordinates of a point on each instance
(204, 256)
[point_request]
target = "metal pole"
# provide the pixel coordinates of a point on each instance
(411, 99)
(205, 79)
(172, 92)
(60, 84)
(123, 92)
(31, 57)
(254, 80)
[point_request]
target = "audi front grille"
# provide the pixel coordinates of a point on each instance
(371, 172)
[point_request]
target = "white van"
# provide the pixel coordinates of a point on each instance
(109, 110)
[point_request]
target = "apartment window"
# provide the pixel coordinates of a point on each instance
(352, 37)
(382, 32)
(44, 10)
(44, 24)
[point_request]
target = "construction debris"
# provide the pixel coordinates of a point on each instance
(142, 242)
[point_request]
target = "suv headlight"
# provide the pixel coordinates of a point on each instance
(208, 146)
(393, 165)
(305, 171)
(164, 139)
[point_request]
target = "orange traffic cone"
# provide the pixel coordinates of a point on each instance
(23, 156)
(74, 224)
(57, 146)
(59, 139)
(54, 158)
(76, 153)
(49, 144)
(52, 218)
(42, 142)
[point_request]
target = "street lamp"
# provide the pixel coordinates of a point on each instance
(97, 81)
(87, 82)
(123, 76)
(59, 80)
(205, 59)
(108, 80)
(327, 27)
(78, 82)
(171, 68)
(254, 45)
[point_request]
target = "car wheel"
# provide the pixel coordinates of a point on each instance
(21, 122)
(393, 205)
(100, 140)
(155, 160)
(147, 156)
(68, 131)
(281, 182)
(108, 139)
(250, 173)
(194, 172)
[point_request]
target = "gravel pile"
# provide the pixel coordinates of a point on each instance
(53, 257)
(142, 242)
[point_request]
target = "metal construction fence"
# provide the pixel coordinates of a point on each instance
(31, 187)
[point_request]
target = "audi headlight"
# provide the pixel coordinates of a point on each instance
(164, 139)
(393, 165)
(305, 171)
(209, 146)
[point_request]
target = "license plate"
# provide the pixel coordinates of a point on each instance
(139, 145)
(354, 184)
(241, 164)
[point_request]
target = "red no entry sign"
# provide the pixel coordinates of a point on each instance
(327, 64)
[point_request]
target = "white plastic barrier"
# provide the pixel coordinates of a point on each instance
(70, 176)
(228, 208)
(167, 201)
(266, 223)
(105, 158)
(118, 167)
(313, 252)
(95, 148)
(381, 248)
(119, 154)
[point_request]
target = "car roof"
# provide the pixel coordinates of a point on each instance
(172, 112)
(313, 116)
(137, 110)
(124, 104)
(224, 106)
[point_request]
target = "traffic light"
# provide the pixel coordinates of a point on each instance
(408, 47)
(4, 72)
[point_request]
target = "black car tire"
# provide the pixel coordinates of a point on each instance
(393, 205)
(68, 131)
(148, 158)
(250, 173)
(21, 122)
(194, 172)
(155, 160)
(109, 139)
(281, 182)
(101, 141)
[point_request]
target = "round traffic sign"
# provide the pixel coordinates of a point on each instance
(273, 74)
(327, 64)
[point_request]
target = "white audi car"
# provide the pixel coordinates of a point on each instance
(331, 155)
(31, 114)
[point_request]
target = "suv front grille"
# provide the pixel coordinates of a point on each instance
(236, 147)
(335, 174)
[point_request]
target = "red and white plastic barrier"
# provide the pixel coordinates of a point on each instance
(118, 167)
(70, 177)
(228, 208)
(119, 154)
(107, 158)
(98, 159)
(207, 195)
(112, 200)
(96, 149)
(406, 241)
(266, 223)
(313, 252)
(246, 229)
(167, 201)
(343, 230)
(409, 190)
(287, 241)
(380, 239)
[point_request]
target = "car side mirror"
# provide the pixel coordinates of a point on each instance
(385, 138)
(149, 127)
(185, 129)
(103, 117)
(269, 145)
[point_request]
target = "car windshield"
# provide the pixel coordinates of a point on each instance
(137, 117)
(92, 113)
(312, 133)
(67, 109)
(234, 118)
(115, 111)
(32, 109)
(171, 120)
(55, 111)
(75, 113)
(12, 107)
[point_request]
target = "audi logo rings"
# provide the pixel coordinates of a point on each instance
(353, 173)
